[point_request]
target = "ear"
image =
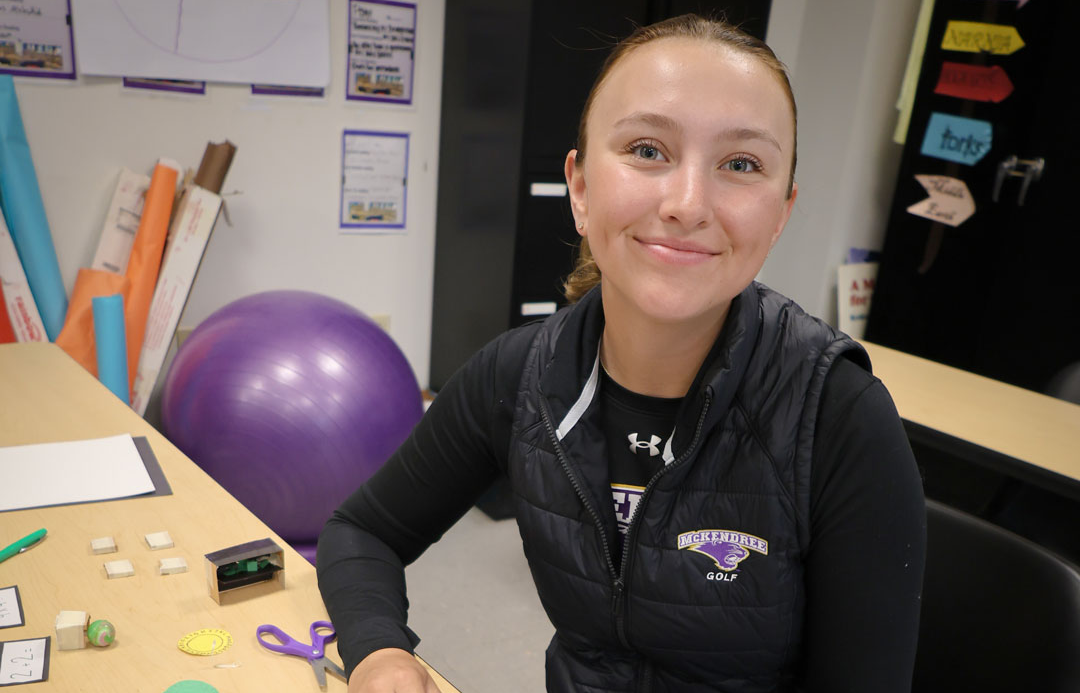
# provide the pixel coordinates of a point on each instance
(575, 185)
(789, 204)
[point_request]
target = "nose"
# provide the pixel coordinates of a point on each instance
(686, 199)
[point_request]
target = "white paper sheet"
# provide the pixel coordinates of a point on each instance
(247, 41)
(11, 614)
(71, 472)
(23, 661)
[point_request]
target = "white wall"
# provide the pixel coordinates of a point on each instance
(282, 191)
(847, 59)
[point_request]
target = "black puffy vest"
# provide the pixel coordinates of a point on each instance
(709, 593)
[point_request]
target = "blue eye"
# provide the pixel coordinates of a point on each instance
(647, 152)
(742, 164)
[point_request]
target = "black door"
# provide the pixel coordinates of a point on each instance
(999, 293)
(568, 43)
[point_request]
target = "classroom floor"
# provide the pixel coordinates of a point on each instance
(473, 604)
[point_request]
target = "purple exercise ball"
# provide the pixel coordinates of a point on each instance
(290, 400)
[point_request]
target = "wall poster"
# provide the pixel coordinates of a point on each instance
(36, 39)
(374, 175)
(382, 47)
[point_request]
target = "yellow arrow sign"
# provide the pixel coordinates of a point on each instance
(977, 37)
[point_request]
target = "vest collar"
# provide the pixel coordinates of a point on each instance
(571, 376)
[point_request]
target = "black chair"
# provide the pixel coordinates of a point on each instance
(1065, 384)
(1000, 614)
(1046, 517)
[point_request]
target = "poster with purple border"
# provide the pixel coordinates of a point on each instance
(382, 47)
(182, 86)
(374, 180)
(277, 90)
(36, 38)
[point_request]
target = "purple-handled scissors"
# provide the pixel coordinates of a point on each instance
(315, 653)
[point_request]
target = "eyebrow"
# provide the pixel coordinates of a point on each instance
(656, 120)
(663, 122)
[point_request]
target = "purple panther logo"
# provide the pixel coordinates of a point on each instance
(725, 547)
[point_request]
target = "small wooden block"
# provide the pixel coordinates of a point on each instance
(103, 545)
(159, 540)
(119, 569)
(70, 629)
(172, 566)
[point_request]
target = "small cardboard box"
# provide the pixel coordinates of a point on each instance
(245, 564)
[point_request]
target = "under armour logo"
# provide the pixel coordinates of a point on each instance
(636, 444)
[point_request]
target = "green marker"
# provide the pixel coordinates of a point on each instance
(22, 545)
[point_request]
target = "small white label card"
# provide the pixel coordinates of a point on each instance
(11, 613)
(24, 661)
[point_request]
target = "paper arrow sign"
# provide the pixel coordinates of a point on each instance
(950, 201)
(977, 37)
(974, 82)
(959, 139)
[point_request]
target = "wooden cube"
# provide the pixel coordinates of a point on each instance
(71, 629)
(103, 545)
(159, 540)
(172, 566)
(119, 569)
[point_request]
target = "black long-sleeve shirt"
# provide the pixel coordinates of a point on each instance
(863, 567)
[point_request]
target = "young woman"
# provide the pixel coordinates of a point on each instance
(713, 491)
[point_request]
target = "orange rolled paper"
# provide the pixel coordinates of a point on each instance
(77, 337)
(146, 251)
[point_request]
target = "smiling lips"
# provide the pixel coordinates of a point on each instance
(675, 251)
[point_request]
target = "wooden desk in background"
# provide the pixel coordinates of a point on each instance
(46, 397)
(1018, 432)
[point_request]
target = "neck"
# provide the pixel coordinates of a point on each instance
(658, 359)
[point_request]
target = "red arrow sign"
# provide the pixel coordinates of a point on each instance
(973, 82)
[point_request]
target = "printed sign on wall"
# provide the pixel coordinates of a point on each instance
(36, 39)
(950, 201)
(374, 173)
(953, 138)
(382, 50)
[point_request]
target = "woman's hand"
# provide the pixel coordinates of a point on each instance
(391, 670)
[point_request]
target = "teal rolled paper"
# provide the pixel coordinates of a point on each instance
(110, 341)
(25, 214)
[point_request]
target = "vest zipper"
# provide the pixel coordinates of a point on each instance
(618, 586)
(616, 580)
(561, 455)
(622, 608)
(645, 681)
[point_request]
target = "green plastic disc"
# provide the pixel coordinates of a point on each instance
(191, 687)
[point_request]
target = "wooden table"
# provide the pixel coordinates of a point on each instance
(46, 397)
(1018, 432)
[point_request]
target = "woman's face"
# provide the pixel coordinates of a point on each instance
(683, 190)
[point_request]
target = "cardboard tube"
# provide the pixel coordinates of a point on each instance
(215, 164)
(111, 344)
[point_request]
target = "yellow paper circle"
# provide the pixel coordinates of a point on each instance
(206, 642)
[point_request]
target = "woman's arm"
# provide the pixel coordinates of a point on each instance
(868, 526)
(450, 458)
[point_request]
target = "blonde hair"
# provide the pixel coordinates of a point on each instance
(586, 273)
